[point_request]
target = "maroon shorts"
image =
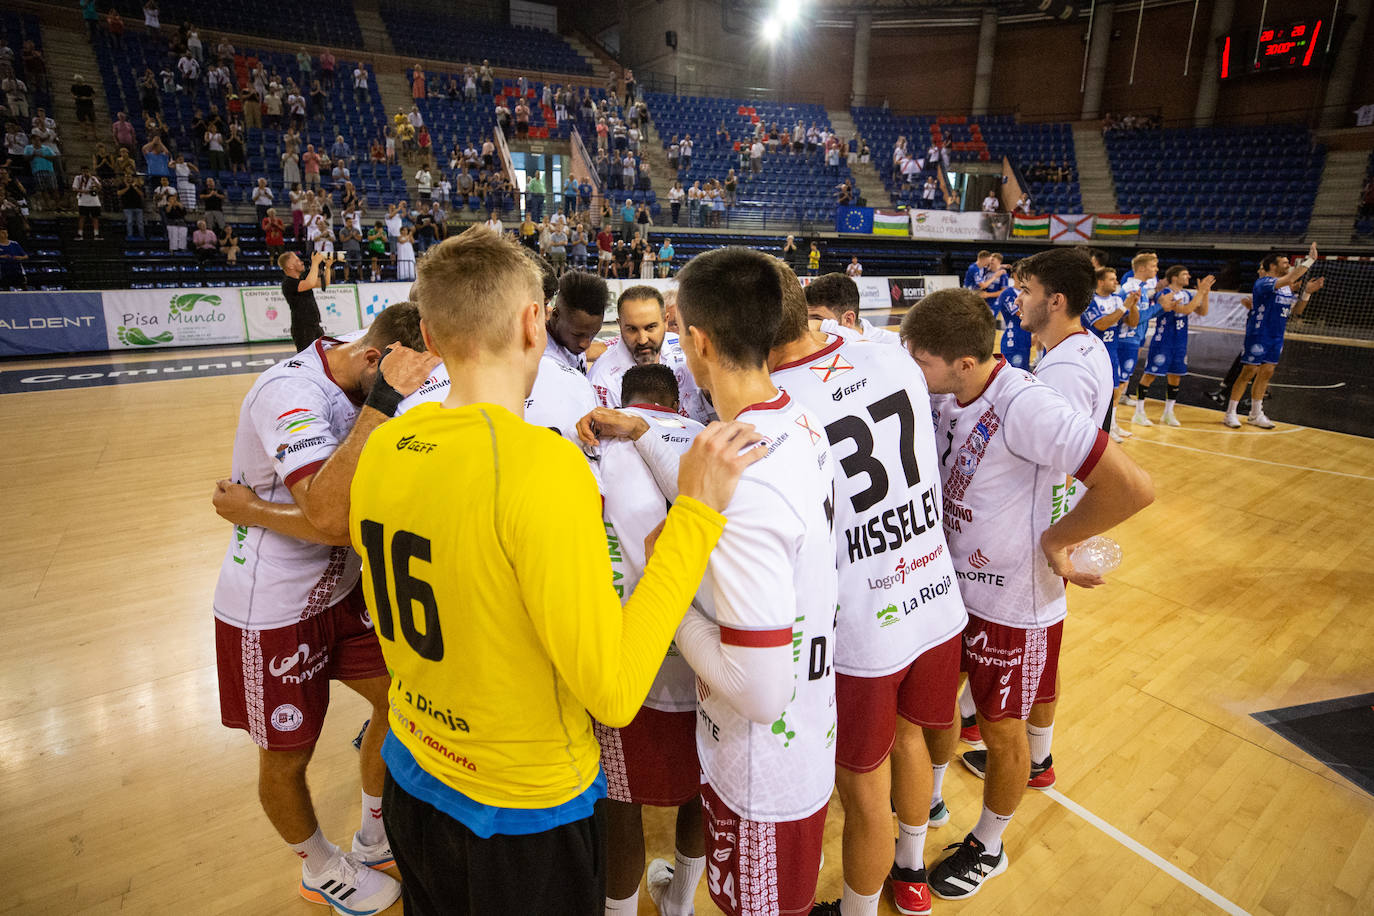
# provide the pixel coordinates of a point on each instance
(1010, 669)
(924, 693)
(653, 760)
(274, 684)
(760, 868)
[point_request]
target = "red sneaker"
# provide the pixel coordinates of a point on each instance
(1042, 774)
(969, 732)
(910, 891)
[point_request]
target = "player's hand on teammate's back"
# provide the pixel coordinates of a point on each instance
(711, 468)
(405, 369)
(1062, 564)
(232, 501)
(611, 424)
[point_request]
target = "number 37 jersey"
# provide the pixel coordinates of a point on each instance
(898, 593)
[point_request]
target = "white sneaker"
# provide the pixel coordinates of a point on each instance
(659, 876)
(1112, 434)
(1261, 421)
(1170, 420)
(1139, 419)
(1231, 420)
(1127, 401)
(378, 855)
(1123, 433)
(350, 888)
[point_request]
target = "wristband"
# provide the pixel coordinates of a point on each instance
(383, 397)
(1307, 263)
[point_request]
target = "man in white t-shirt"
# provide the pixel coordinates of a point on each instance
(1054, 288)
(289, 609)
(87, 188)
(360, 92)
(854, 269)
(653, 760)
(833, 300)
(900, 616)
(1007, 439)
(494, 223)
(644, 340)
(991, 204)
(760, 635)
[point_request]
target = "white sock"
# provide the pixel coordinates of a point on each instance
(1039, 741)
(629, 905)
(1232, 407)
(1168, 406)
(682, 889)
(855, 904)
(316, 852)
(1256, 407)
(372, 830)
(988, 830)
(911, 846)
(937, 786)
(966, 705)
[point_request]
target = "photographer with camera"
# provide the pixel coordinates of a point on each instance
(299, 292)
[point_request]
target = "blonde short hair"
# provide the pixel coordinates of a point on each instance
(469, 288)
(1145, 257)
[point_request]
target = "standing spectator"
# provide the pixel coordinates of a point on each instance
(193, 43)
(229, 245)
(341, 150)
(16, 94)
(295, 108)
(494, 223)
(156, 160)
(214, 145)
(376, 249)
(405, 255)
(928, 191)
(311, 163)
(360, 87)
(319, 101)
(646, 260)
(131, 202)
(813, 261)
(252, 106)
(854, 269)
(204, 244)
(291, 168)
(731, 188)
(424, 182)
(152, 16)
(522, 119)
(644, 219)
(604, 244)
(577, 247)
(534, 195)
(304, 64)
(213, 203)
(12, 258)
(351, 244)
(163, 192)
(273, 232)
(189, 68)
(91, 16)
(558, 249)
(627, 220)
(83, 95)
(417, 83)
(756, 156)
(174, 219)
(271, 110)
(123, 131)
(87, 188)
(675, 196)
(237, 149)
(665, 259)
(327, 64)
(186, 188)
(990, 203)
(35, 67)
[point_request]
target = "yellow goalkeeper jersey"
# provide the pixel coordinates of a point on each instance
(488, 578)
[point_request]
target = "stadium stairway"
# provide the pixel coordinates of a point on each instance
(600, 63)
(865, 176)
(661, 177)
(1094, 172)
(68, 52)
(1338, 197)
(394, 88)
(375, 37)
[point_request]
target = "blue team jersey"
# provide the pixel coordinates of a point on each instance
(1014, 338)
(1172, 327)
(974, 275)
(1269, 312)
(1100, 308)
(1148, 307)
(998, 285)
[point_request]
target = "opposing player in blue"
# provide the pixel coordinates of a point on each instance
(1108, 314)
(1272, 301)
(977, 271)
(1169, 347)
(1016, 341)
(1140, 279)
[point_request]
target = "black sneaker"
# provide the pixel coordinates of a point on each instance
(1041, 774)
(964, 871)
(831, 908)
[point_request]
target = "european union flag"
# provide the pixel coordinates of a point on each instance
(854, 219)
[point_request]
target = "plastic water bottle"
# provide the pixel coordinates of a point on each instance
(1097, 556)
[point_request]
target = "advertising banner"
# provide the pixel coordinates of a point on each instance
(373, 298)
(947, 224)
(267, 317)
(50, 322)
(1224, 310)
(140, 319)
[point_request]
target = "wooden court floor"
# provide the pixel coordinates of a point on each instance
(1244, 588)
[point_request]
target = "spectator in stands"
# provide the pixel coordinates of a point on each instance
(114, 27)
(124, 164)
(229, 245)
(522, 119)
(665, 259)
(15, 141)
(295, 108)
(351, 244)
(685, 153)
(991, 204)
(577, 247)
(854, 269)
(91, 17)
(214, 145)
(424, 181)
(189, 68)
(131, 202)
(12, 258)
(406, 134)
(534, 196)
(605, 244)
(377, 248)
(340, 150)
(644, 219)
(1023, 204)
(152, 16)
(423, 142)
(42, 159)
(193, 43)
(212, 201)
(627, 220)
(217, 80)
(297, 210)
(338, 174)
(204, 244)
(271, 110)
(122, 129)
(237, 148)
(417, 82)
(813, 261)
(675, 198)
(87, 188)
(16, 93)
(310, 163)
(360, 84)
(484, 77)
(389, 139)
(327, 64)
(928, 191)
(405, 256)
(273, 232)
(844, 194)
(319, 101)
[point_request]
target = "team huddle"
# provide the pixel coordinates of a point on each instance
(739, 560)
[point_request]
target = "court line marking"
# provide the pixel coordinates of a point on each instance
(1223, 432)
(1277, 464)
(1145, 853)
(1218, 378)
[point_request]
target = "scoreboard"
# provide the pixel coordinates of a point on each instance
(1291, 46)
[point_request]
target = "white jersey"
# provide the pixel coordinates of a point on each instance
(560, 354)
(1002, 454)
(610, 368)
(866, 330)
(634, 506)
(771, 582)
(1146, 288)
(291, 421)
(1079, 368)
(898, 592)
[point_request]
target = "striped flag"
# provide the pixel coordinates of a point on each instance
(1116, 225)
(891, 222)
(1037, 226)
